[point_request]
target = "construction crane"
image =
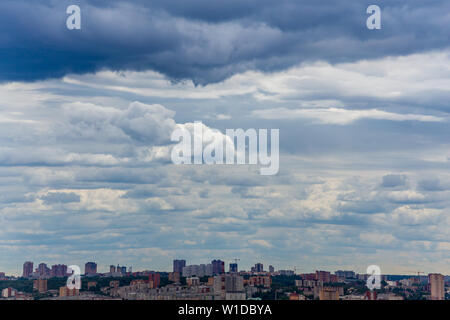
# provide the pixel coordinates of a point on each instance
(236, 265)
(418, 274)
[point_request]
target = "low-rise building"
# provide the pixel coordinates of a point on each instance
(169, 292)
(66, 292)
(9, 293)
(193, 281)
(329, 293)
(260, 281)
(174, 277)
(40, 285)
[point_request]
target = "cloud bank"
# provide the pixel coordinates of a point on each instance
(208, 42)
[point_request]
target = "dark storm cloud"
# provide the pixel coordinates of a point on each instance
(207, 41)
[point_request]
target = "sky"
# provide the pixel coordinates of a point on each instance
(86, 118)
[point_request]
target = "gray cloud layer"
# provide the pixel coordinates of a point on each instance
(82, 176)
(364, 145)
(208, 41)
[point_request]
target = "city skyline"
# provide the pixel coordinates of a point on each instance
(255, 267)
(87, 115)
(212, 282)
